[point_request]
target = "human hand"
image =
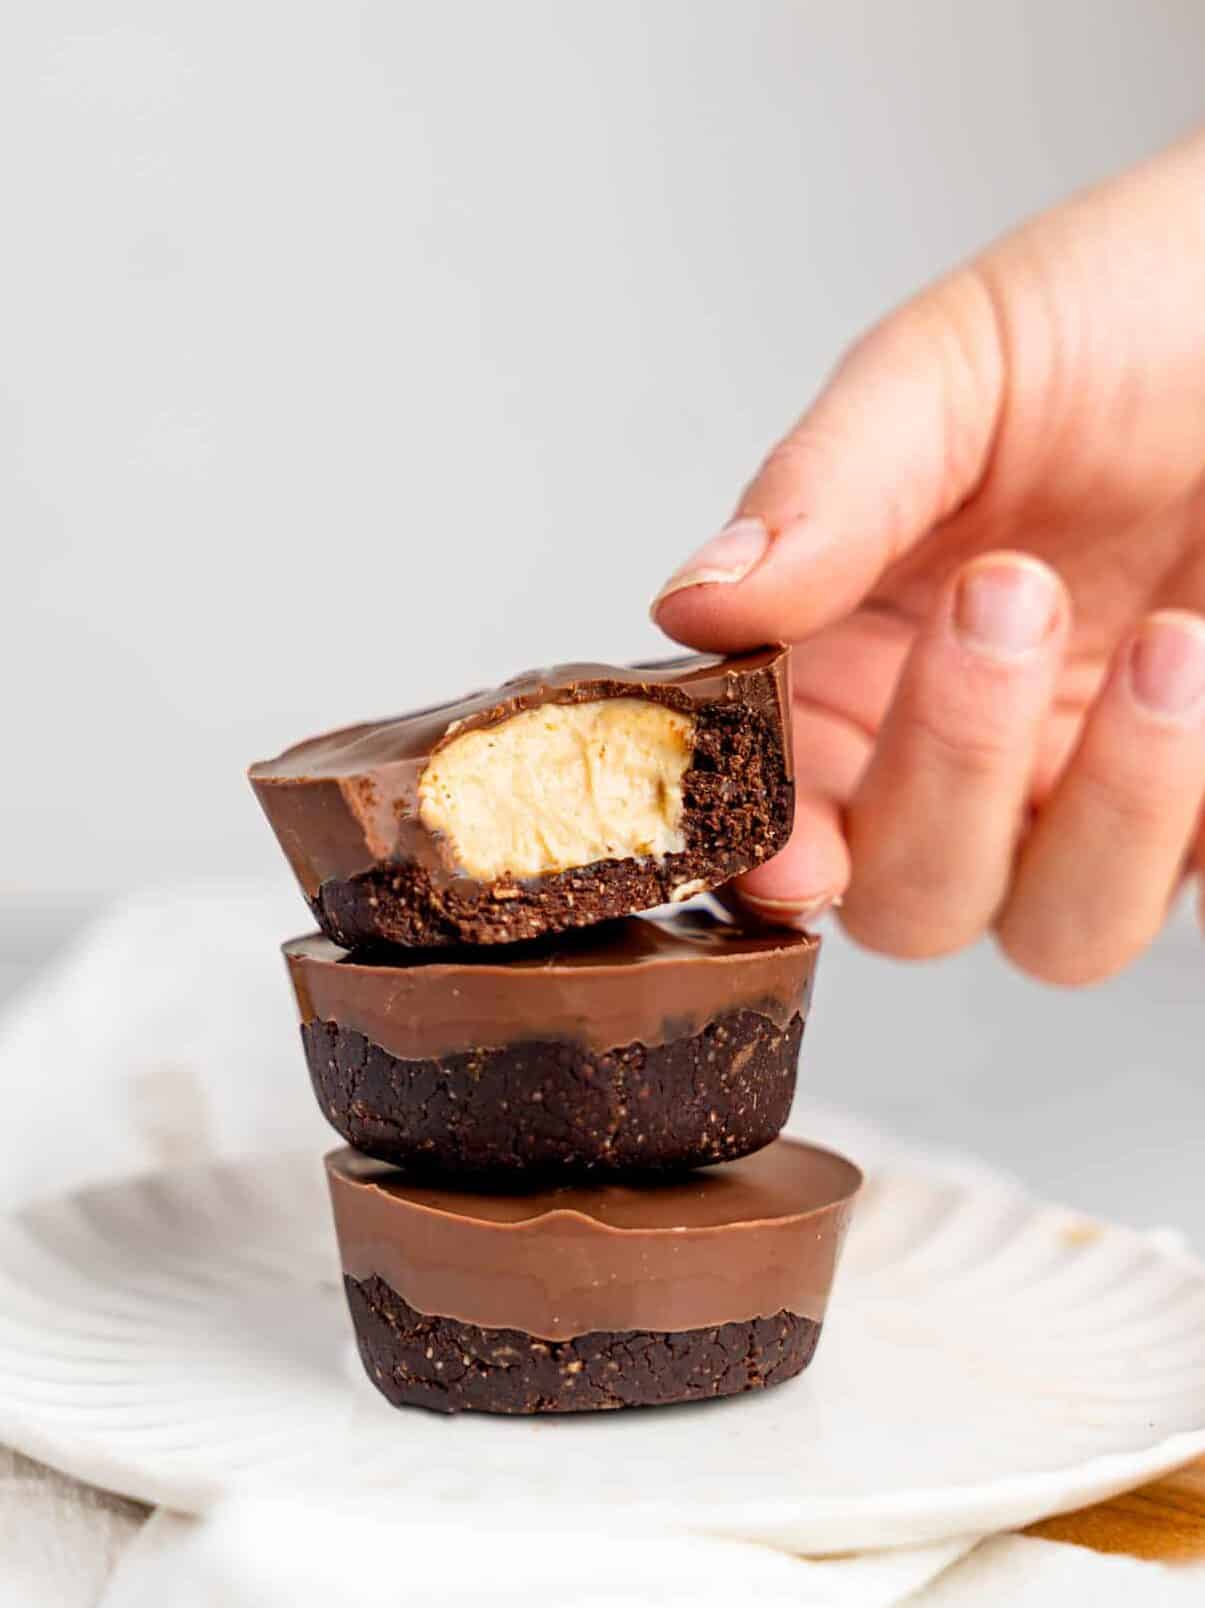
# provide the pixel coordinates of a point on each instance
(987, 540)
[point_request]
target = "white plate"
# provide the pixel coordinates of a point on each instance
(988, 1360)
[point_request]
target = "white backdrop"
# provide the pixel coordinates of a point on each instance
(350, 352)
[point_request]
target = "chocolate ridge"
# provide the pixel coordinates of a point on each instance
(646, 979)
(347, 801)
(743, 1240)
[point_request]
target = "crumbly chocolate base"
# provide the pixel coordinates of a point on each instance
(420, 1361)
(738, 801)
(557, 1108)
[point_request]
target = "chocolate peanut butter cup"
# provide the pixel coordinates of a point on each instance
(643, 1044)
(564, 797)
(586, 1298)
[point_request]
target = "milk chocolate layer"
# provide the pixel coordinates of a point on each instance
(644, 979)
(749, 1239)
(348, 813)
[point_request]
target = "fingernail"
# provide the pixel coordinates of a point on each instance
(1006, 606)
(1167, 666)
(791, 912)
(723, 560)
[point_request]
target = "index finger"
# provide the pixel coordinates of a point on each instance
(894, 443)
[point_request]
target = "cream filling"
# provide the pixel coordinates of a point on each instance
(561, 786)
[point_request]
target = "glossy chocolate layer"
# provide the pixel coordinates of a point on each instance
(748, 1239)
(642, 980)
(344, 803)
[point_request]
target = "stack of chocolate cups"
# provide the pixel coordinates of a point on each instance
(563, 1188)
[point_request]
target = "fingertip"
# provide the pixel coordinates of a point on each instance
(1007, 606)
(696, 604)
(1163, 667)
(704, 619)
(797, 916)
(1016, 558)
(808, 877)
(804, 577)
(1058, 964)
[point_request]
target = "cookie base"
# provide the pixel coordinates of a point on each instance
(440, 1363)
(558, 1109)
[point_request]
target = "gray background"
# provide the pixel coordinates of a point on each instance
(350, 353)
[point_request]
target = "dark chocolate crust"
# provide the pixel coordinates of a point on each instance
(557, 1108)
(420, 1361)
(738, 804)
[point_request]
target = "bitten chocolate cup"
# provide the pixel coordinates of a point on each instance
(582, 1299)
(564, 797)
(643, 1044)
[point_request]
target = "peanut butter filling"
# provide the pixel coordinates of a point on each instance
(560, 786)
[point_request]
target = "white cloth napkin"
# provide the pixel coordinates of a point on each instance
(167, 1034)
(59, 1540)
(256, 1554)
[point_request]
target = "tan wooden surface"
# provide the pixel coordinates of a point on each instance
(1164, 1521)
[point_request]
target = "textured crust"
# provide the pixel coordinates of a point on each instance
(738, 805)
(558, 1108)
(421, 1361)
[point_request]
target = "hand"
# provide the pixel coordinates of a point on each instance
(987, 540)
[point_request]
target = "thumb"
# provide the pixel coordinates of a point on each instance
(898, 439)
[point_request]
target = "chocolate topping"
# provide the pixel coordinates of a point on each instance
(747, 1239)
(346, 802)
(646, 979)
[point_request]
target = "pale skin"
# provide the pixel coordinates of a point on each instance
(986, 540)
